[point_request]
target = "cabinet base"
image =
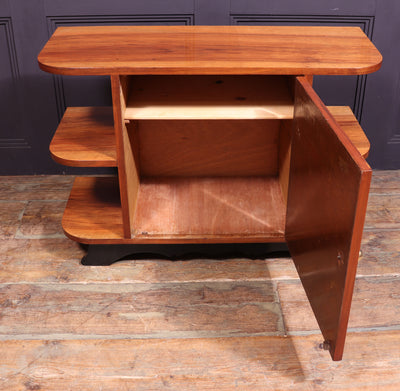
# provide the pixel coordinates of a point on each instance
(107, 254)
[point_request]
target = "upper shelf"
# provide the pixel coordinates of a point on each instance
(209, 97)
(141, 50)
(85, 138)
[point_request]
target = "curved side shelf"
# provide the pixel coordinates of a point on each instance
(348, 122)
(85, 138)
(93, 213)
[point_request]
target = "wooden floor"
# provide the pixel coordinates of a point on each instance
(186, 325)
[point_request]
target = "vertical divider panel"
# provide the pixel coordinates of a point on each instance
(128, 172)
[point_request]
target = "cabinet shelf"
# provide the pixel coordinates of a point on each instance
(93, 212)
(85, 138)
(349, 124)
(209, 97)
(179, 210)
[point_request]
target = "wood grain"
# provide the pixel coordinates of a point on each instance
(210, 209)
(373, 305)
(49, 271)
(10, 216)
(136, 310)
(208, 148)
(252, 363)
(93, 210)
(35, 187)
(349, 124)
(384, 182)
(128, 174)
(180, 210)
(380, 253)
(327, 200)
(209, 97)
(85, 138)
(173, 210)
(42, 219)
(290, 50)
(58, 261)
(383, 213)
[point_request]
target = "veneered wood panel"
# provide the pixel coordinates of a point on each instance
(349, 124)
(178, 210)
(226, 209)
(209, 97)
(327, 199)
(209, 50)
(94, 210)
(346, 120)
(85, 137)
(208, 148)
(128, 174)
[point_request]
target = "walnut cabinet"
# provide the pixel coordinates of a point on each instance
(219, 137)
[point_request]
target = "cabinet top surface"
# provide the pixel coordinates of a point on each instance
(287, 50)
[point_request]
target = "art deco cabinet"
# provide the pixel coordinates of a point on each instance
(219, 137)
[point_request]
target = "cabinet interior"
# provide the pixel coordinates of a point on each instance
(197, 177)
(186, 178)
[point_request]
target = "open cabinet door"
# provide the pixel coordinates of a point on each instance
(327, 200)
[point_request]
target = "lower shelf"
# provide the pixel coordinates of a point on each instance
(93, 213)
(178, 210)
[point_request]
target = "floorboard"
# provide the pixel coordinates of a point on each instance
(224, 364)
(198, 324)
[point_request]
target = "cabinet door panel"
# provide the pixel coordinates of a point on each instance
(327, 199)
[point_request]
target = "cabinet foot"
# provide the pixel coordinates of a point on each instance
(105, 255)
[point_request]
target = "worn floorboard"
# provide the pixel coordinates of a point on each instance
(199, 324)
(224, 364)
